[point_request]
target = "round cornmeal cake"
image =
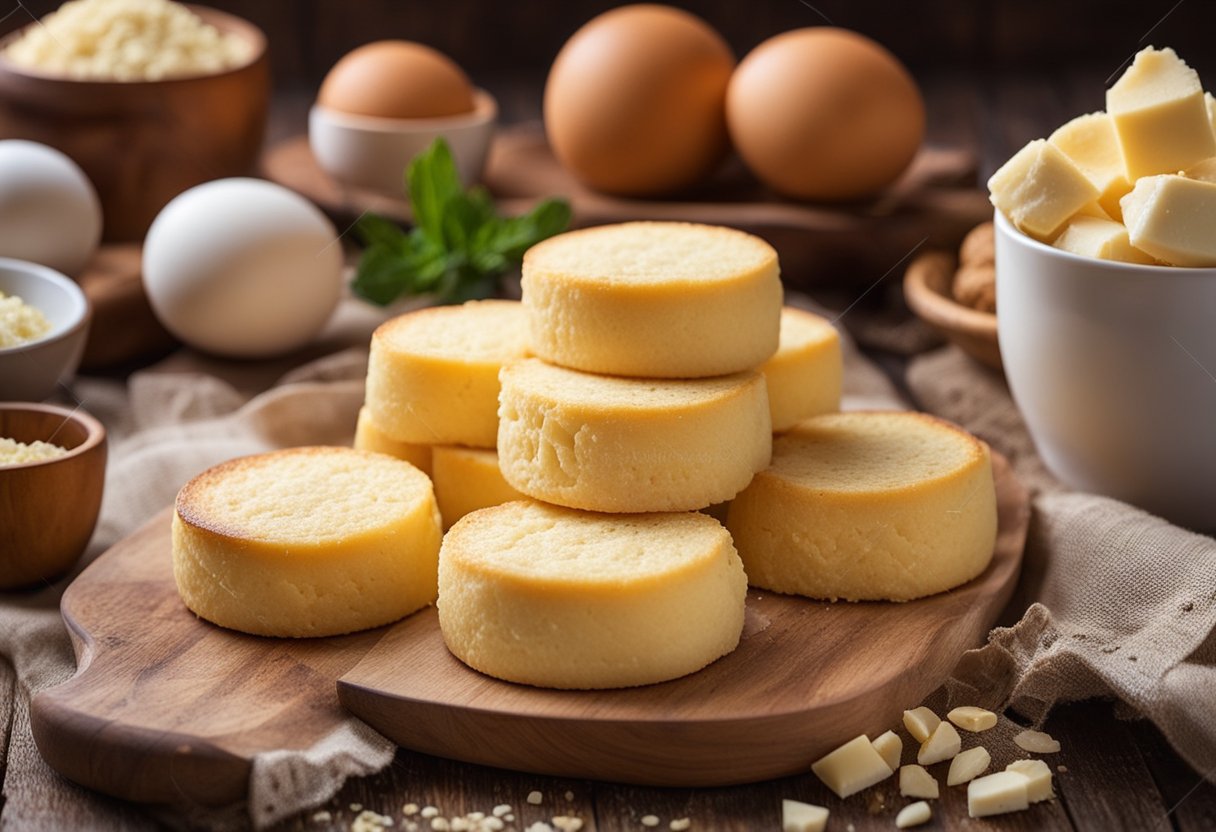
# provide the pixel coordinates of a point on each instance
(554, 597)
(653, 300)
(868, 506)
(369, 437)
(307, 542)
(613, 444)
(467, 479)
(805, 376)
(432, 375)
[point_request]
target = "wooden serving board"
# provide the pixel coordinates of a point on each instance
(936, 203)
(806, 677)
(168, 708)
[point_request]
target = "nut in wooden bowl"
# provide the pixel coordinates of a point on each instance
(935, 287)
(48, 507)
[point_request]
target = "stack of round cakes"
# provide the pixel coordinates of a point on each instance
(582, 443)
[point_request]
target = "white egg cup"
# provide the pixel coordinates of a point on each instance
(32, 371)
(1113, 366)
(373, 153)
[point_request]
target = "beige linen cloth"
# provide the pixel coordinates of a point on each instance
(1127, 602)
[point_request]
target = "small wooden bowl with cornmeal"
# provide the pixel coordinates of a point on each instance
(52, 469)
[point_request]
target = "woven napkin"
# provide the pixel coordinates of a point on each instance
(1118, 603)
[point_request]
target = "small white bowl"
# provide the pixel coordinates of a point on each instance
(32, 371)
(373, 153)
(1113, 366)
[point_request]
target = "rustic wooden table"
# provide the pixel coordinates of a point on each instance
(1117, 774)
(1110, 774)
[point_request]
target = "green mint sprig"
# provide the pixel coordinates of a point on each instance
(459, 247)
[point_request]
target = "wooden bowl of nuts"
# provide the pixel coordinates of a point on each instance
(957, 295)
(143, 132)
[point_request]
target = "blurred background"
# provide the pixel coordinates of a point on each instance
(1032, 62)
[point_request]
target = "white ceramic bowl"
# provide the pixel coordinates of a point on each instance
(30, 372)
(1113, 366)
(373, 153)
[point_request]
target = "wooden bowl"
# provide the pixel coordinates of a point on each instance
(927, 290)
(144, 142)
(48, 509)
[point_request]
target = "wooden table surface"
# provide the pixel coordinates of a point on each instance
(1111, 774)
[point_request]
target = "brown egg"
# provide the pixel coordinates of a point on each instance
(397, 79)
(635, 102)
(824, 113)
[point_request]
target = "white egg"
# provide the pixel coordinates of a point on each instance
(49, 210)
(242, 268)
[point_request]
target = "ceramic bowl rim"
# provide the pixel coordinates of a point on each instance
(81, 314)
(485, 111)
(1154, 271)
(95, 432)
(226, 22)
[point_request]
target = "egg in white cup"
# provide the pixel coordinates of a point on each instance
(373, 152)
(1113, 366)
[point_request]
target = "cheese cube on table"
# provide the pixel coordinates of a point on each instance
(1173, 218)
(854, 766)
(921, 722)
(968, 765)
(971, 718)
(943, 744)
(1040, 189)
(890, 747)
(997, 794)
(916, 781)
(1099, 238)
(1091, 143)
(1038, 778)
(1160, 115)
(802, 817)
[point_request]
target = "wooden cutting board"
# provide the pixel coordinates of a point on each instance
(167, 708)
(935, 203)
(124, 328)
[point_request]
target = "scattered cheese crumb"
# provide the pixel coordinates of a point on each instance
(943, 744)
(567, 824)
(540, 826)
(680, 824)
(369, 821)
(921, 722)
(1062, 769)
(968, 765)
(430, 812)
(440, 825)
(460, 825)
(409, 809)
(650, 820)
(322, 817)
(915, 781)
(501, 809)
(972, 719)
(493, 824)
(535, 798)
(797, 816)
(1037, 742)
(356, 807)
(914, 814)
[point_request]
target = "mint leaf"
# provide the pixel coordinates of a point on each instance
(459, 247)
(432, 181)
